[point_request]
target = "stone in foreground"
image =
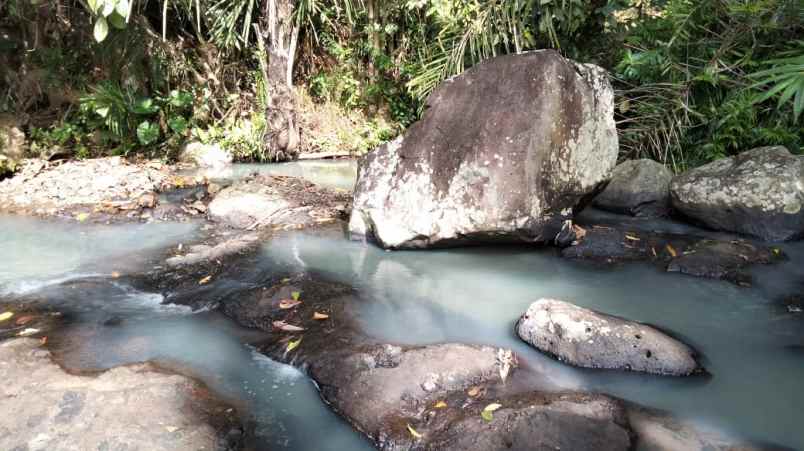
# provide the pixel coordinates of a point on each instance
(134, 407)
(205, 155)
(590, 339)
(504, 152)
(637, 188)
(759, 192)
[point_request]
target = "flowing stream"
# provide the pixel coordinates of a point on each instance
(751, 346)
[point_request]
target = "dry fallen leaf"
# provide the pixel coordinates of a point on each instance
(205, 280)
(28, 331)
(115, 274)
(473, 391)
(285, 280)
(671, 250)
(281, 325)
(6, 316)
(413, 432)
(43, 341)
(440, 405)
(320, 316)
(81, 217)
(23, 320)
(171, 429)
(285, 304)
(631, 237)
(486, 414)
(293, 344)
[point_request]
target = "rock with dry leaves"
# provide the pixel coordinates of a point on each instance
(714, 258)
(591, 339)
(46, 188)
(275, 201)
(54, 410)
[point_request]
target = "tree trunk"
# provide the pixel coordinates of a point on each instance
(282, 138)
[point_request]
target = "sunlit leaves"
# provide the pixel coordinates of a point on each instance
(101, 29)
(147, 133)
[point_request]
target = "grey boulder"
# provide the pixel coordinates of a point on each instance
(759, 192)
(591, 339)
(504, 152)
(638, 188)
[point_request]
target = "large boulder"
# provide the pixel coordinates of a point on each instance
(759, 192)
(638, 188)
(504, 152)
(590, 339)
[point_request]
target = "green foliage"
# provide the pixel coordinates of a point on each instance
(697, 78)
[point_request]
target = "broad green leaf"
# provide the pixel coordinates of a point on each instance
(108, 8)
(94, 5)
(180, 99)
(295, 295)
(101, 29)
(145, 106)
(117, 21)
(123, 8)
(103, 112)
(147, 133)
(178, 124)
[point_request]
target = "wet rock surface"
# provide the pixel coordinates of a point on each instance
(542, 138)
(759, 192)
(266, 201)
(725, 259)
(637, 188)
(54, 410)
(658, 430)
(591, 339)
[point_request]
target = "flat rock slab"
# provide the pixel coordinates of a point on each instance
(728, 260)
(124, 408)
(44, 185)
(275, 201)
(591, 339)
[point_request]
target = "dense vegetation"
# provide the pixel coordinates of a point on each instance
(696, 80)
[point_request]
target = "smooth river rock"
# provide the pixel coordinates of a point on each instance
(591, 339)
(637, 188)
(504, 152)
(759, 192)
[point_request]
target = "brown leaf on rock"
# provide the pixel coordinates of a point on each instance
(205, 280)
(281, 325)
(286, 304)
(671, 250)
(473, 391)
(320, 316)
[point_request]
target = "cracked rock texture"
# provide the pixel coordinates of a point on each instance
(127, 408)
(591, 339)
(504, 152)
(759, 192)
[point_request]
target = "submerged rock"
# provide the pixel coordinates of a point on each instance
(638, 188)
(54, 410)
(759, 192)
(591, 339)
(504, 152)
